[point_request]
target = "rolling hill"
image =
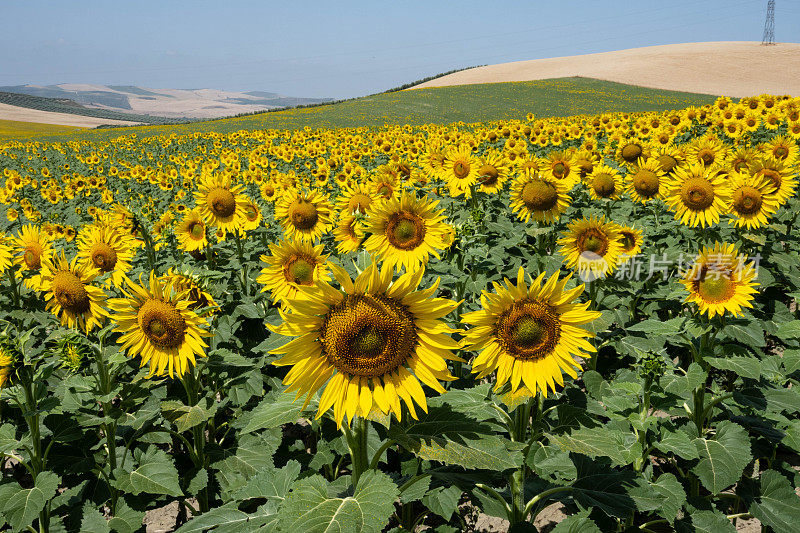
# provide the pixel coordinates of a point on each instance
(730, 68)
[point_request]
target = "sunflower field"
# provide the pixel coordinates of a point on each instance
(407, 328)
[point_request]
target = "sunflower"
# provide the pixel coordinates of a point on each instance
(460, 170)
(219, 202)
(720, 281)
(631, 240)
(669, 157)
(304, 215)
(543, 199)
(369, 343)
(645, 181)
(69, 293)
(108, 250)
(781, 175)
(8, 363)
(753, 200)
(529, 335)
(492, 172)
(741, 158)
(591, 246)
(405, 231)
(196, 291)
(191, 232)
(698, 195)
(560, 166)
(706, 151)
(290, 265)
(604, 183)
(356, 198)
(251, 216)
(32, 247)
(349, 233)
(158, 326)
(432, 160)
(6, 252)
(630, 151)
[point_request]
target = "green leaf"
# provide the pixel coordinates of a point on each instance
(229, 518)
(777, 506)
(674, 496)
(442, 501)
(474, 402)
(658, 327)
(449, 437)
(792, 435)
(253, 454)
(748, 333)
(276, 409)
(551, 462)
(684, 385)
(93, 521)
(271, 483)
(198, 482)
(185, 417)
(312, 507)
(789, 330)
(679, 443)
(126, 520)
(722, 459)
(416, 491)
(644, 496)
(156, 475)
(621, 447)
(8, 440)
(23, 506)
(747, 367)
(705, 522)
(599, 485)
(791, 361)
(577, 523)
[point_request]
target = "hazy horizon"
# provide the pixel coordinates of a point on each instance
(321, 50)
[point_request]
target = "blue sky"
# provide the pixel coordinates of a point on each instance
(340, 49)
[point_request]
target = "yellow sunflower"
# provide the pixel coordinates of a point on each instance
(753, 200)
(8, 362)
(220, 202)
(630, 151)
(492, 172)
(645, 181)
(304, 215)
(196, 291)
(367, 344)
(698, 195)
(591, 246)
(290, 265)
(405, 231)
(535, 196)
(604, 183)
(720, 281)
(108, 250)
(560, 166)
(356, 198)
(631, 240)
(251, 216)
(32, 247)
(530, 335)
(461, 170)
(69, 293)
(158, 326)
(349, 233)
(6, 252)
(782, 176)
(706, 151)
(191, 232)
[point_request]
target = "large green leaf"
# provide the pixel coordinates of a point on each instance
(313, 506)
(276, 409)
(270, 483)
(450, 437)
(474, 402)
(92, 521)
(186, 417)
(156, 475)
(22, 506)
(126, 520)
(747, 367)
(621, 447)
(789, 330)
(777, 505)
(674, 496)
(230, 519)
(723, 458)
(599, 485)
(705, 522)
(577, 523)
(659, 327)
(679, 443)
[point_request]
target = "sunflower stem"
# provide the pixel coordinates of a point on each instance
(31, 416)
(12, 278)
(109, 428)
(191, 384)
(357, 444)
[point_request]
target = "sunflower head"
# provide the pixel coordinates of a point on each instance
(698, 195)
(529, 334)
(543, 199)
(591, 246)
(720, 281)
(70, 294)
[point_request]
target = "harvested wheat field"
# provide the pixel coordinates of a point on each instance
(730, 68)
(24, 114)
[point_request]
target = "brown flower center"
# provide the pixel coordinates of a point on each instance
(538, 195)
(697, 194)
(303, 214)
(488, 175)
(300, 270)
(667, 162)
(461, 169)
(162, 323)
(747, 200)
(104, 257)
(528, 330)
(593, 240)
(405, 230)
(631, 152)
(366, 335)
(70, 292)
(359, 202)
(33, 256)
(604, 185)
(646, 183)
(221, 202)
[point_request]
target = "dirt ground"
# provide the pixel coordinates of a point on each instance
(23, 114)
(731, 68)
